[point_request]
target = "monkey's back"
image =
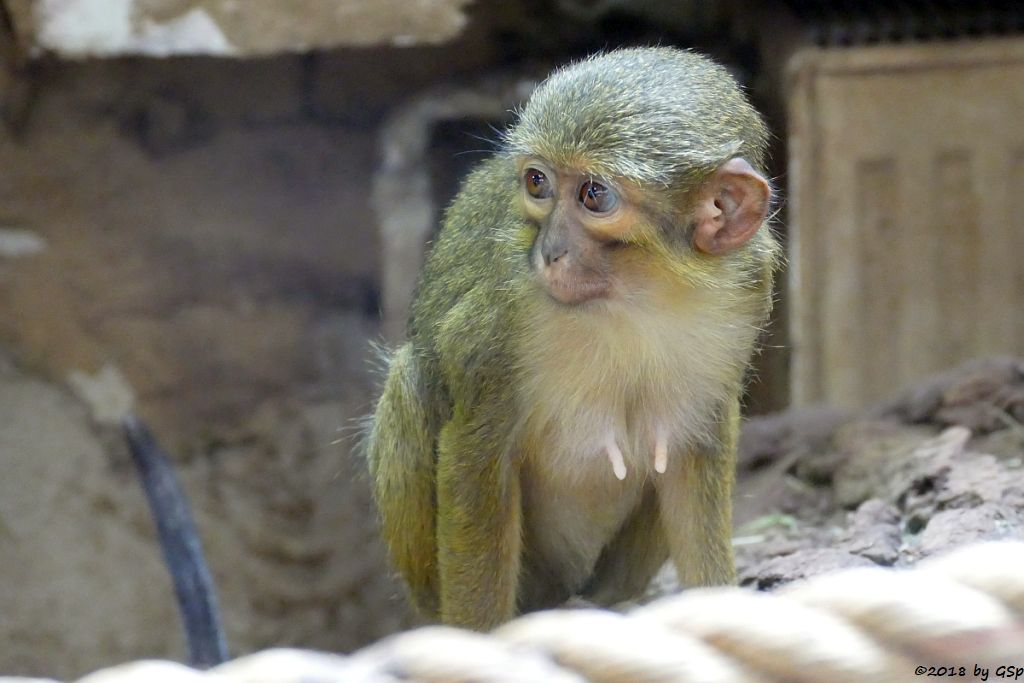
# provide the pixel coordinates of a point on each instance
(456, 358)
(464, 316)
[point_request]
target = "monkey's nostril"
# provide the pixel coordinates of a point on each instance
(550, 257)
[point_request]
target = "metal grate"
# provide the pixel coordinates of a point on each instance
(854, 22)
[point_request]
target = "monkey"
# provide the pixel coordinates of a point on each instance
(562, 417)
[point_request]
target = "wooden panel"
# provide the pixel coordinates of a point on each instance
(876, 197)
(906, 227)
(1013, 326)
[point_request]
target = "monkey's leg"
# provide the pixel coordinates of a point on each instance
(696, 508)
(478, 527)
(401, 459)
(632, 558)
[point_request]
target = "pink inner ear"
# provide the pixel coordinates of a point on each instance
(733, 205)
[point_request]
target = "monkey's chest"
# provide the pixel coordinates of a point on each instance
(607, 402)
(586, 465)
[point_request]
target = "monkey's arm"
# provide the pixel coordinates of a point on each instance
(401, 460)
(479, 526)
(695, 497)
(478, 523)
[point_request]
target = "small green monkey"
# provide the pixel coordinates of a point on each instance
(563, 417)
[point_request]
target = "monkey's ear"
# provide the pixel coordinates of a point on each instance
(731, 206)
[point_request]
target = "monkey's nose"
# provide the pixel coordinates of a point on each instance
(552, 255)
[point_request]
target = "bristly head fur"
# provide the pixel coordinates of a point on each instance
(653, 115)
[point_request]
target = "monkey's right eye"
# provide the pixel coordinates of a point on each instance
(537, 184)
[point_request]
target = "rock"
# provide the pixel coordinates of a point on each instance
(973, 395)
(873, 533)
(877, 458)
(765, 439)
(915, 491)
(16, 243)
(801, 565)
(985, 400)
(77, 542)
(953, 528)
(160, 28)
(107, 393)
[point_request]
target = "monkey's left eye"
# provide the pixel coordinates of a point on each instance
(537, 184)
(597, 198)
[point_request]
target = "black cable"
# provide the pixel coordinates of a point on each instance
(181, 547)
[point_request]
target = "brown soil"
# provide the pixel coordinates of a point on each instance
(936, 468)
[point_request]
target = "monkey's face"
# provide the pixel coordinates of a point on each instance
(584, 223)
(594, 234)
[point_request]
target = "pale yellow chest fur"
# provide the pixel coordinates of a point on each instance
(623, 372)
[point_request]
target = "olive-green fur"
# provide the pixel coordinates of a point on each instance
(654, 115)
(440, 422)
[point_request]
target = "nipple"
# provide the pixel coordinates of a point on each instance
(615, 456)
(660, 450)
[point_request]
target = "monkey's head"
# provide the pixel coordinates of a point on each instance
(633, 154)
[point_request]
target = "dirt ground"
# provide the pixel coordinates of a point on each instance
(938, 467)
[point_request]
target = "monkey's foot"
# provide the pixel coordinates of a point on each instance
(615, 455)
(660, 450)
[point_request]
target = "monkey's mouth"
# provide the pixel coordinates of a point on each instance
(573, 289)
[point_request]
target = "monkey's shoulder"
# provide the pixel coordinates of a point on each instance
(486, 197)
(470, 250)
(465, 305)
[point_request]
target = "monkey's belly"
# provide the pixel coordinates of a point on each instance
(568, 520)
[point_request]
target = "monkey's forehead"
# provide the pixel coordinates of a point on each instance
(649, 114)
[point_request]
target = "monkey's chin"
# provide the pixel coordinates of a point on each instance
(572, 292)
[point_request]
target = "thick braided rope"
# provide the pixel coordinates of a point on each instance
(962, 610)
